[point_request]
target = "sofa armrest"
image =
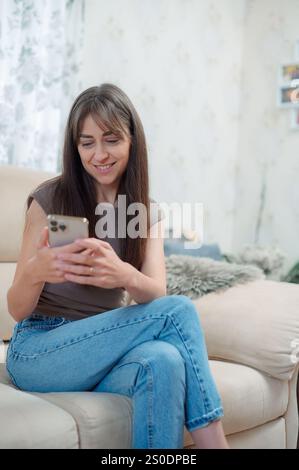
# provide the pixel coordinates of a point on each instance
(255, 324)
(7, 323)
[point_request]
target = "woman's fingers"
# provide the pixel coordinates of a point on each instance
(69, 248)
(93, 243)
(76, 258)
(77, 269)
(88, 251)
(44, 238)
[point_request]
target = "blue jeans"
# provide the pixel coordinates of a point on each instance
(154, 353)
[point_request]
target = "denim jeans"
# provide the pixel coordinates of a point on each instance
(154, 353)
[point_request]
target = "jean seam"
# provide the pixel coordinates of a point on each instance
(150, 383)
(203, 390)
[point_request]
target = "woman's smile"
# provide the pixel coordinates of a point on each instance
(103, 169)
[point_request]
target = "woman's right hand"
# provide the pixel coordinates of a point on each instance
(44, 266)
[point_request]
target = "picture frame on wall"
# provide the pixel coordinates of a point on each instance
(289, 72)
(288, 95)
(288, 87)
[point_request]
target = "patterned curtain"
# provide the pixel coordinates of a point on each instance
(40, 58)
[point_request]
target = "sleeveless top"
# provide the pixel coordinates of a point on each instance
(76, 301)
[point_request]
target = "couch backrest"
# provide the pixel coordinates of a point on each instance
(15, 185)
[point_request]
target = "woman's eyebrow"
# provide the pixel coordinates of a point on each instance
(86, 136)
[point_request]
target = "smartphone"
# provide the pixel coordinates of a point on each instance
(65, 229)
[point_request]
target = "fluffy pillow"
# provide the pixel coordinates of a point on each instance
(195, 277)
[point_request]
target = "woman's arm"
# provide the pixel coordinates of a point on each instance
(150, 282)
(23, 295)
(37, 264)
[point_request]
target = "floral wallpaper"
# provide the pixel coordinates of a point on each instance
(40, 57)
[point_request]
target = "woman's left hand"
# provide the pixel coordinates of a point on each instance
(101, 268)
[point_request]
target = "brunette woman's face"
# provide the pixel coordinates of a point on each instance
(104, 155)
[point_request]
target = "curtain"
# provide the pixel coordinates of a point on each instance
(41, 45)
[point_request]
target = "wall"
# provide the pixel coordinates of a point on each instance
(267, 189)
(203, 77)
(180, 63)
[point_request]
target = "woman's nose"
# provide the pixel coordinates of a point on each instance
(100, 152)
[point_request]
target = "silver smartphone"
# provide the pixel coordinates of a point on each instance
(65, 229)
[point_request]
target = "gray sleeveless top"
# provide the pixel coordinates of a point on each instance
(75, 301)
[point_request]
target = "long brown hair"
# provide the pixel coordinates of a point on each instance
(75, 190)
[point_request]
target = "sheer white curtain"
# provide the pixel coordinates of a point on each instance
(40, 57)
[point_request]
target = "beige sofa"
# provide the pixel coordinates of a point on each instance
(252, 336)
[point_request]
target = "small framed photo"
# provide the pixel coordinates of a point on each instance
(289, 73)
(295, 119)
(288, 96)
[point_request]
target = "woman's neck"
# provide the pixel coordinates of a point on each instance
(107, 195)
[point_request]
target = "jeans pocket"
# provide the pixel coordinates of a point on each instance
(30, 329)
(40, 322)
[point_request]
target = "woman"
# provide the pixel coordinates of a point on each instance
(75, 330)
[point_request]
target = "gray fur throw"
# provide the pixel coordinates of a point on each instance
(269, 258)
(195, 277)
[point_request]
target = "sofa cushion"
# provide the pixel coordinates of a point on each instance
(250, 398)
(30, 422)
(103, 419)
(271, 435)
(67, 420)
(256, 324)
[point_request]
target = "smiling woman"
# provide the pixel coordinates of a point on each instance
(81, 333)
(104, 153)
(103, 127)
